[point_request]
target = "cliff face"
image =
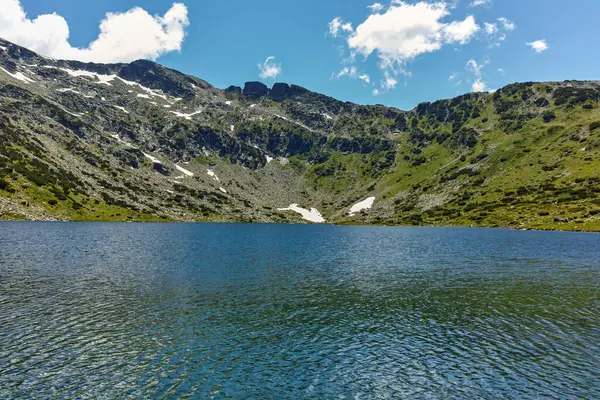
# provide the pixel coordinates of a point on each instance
(140, 141)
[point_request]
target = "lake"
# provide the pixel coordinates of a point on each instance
(101, 310)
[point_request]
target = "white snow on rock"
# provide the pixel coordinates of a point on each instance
(232, 127)
(167, 106)
(74, 91)
(212, 174)
(366, 204)
(269, 159)
(327, 116)
(185, 171)
(106, 79)
(102, 79)
(19, 76)
(228, 103)
(252, 105)
(143, 96)
(223, 190)
(151, 158)
(2, 48)
(313, 215)
(115, 136)
(122, 109)
(186, 116)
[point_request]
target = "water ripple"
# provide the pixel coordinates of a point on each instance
(255, 311)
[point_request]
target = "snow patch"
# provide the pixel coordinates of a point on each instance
(115, 136)
(223, 190)
(143, 96)
(232, 127)
(269, 159)
(122, 109)
(153, 159)
(313, 215)
(74, 91)
(212, 174)
(228, 103)
(106, 79)
(366, 204)
(186, 116)
(185, 171)
(252, 105)
(19, 76)
(327, 116)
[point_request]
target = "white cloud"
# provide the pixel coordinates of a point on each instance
(479, 85)
(479, 3)
(539, 45)
(389, 82)
(376, 7)
(496, 32)
(337, 24)
(124, 37)
(406, 31)
(348, 71)
(490, 29)
(452, 77)
(508, 25)
(269, 69)
(475, 67)
(501, 71)
(375, 92)
(365, 78)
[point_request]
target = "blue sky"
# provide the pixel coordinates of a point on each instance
(226, 40)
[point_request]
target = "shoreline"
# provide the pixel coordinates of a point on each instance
(341, 224)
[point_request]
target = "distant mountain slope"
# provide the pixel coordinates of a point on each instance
(139, 141)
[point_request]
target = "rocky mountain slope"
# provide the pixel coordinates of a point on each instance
(139, 141)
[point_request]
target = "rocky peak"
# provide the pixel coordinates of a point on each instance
(255, 89)
(280, 91)
(233, 90)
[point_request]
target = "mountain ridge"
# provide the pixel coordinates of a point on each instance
(141, 141)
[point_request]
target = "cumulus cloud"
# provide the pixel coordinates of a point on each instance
(269, 69)
(365, 78)
(538, 46)
(123, 37)
(405, 31)
(338, 25)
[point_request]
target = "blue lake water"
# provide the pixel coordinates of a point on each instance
(93, 310)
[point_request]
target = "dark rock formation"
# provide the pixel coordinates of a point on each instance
(280, 91)
(255, 90)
